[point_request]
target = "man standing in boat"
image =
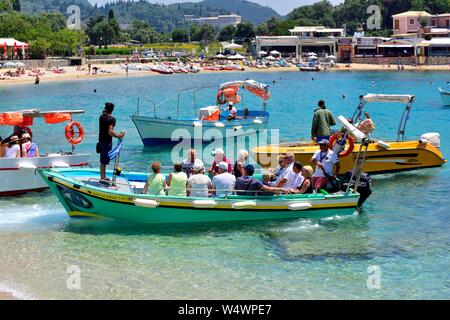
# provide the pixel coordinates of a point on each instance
(322, 121)
(327, 166)
(106, 132)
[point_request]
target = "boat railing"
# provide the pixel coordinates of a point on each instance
(138, 107)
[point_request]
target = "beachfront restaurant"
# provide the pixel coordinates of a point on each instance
(11, 48)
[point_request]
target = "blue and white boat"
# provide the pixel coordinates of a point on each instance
(445, 96)
(210, 123)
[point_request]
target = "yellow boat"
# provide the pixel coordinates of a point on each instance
(382, 156)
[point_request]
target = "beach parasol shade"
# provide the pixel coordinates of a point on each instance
(262, 53)
(237, 57)
(220, 56)
(270, 58)
(233, 46)
(9, 64)
(275, 52)
(312, 54)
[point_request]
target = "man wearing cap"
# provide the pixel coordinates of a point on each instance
(224, 182)
(322, 121)
(219, 156)
(327, 165)
(106, 132)
(190, 162)
(248, 186)
(232, 112)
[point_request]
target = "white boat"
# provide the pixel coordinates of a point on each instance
(19, 175)
(156, 130)
(445, 96)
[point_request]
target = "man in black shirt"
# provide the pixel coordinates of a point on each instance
(106, 132)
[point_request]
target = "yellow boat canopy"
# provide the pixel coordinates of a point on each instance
(402, 98)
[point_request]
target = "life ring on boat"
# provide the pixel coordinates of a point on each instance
(220, 98)
(347, 151)
(70, 132)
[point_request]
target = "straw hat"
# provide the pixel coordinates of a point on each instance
(14, 139)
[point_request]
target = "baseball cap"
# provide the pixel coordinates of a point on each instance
(324, 141)
(223, 165)
(250, 169)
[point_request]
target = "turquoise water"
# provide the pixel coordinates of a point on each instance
(404, 228)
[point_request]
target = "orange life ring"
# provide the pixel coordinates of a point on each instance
(346, 152)
(220, 98)
(70, 132)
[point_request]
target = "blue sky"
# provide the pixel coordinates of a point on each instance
(281, 6)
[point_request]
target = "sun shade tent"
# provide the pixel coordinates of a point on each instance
(259, 89)
(233, 46)
(237, 57)
(275, 52)
(401, 98)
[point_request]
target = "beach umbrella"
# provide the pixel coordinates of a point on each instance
(275, 52)
(220, 56)
(332, 57)
(237, 57)
(233, 46)
(262, 53)
(270, 58)
(9, 64)
(20, 64)
(311, 54)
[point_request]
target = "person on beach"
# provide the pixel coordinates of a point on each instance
(327, 165)
(306, 187)
(126, 69)
(36, 80)
(106, 132)
(89, 68)
(322, 121)
(156, 182)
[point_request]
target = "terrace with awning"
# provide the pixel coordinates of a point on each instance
(12, 48)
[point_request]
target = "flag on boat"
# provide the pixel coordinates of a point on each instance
(114, 152)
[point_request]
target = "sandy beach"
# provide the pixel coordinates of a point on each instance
(114, 70)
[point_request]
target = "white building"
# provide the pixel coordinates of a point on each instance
(216, 22)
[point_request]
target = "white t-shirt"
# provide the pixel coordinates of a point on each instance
(288, 174)
(12, 152)
(328, 159)
(199, 185)
(187, 165)
(296, 182)
(224, 184)
(232, 111)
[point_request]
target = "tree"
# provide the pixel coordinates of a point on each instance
(226, 34)
(111, 15)
(16, 5)
(244, 32)
(103, 34)
(180, 35)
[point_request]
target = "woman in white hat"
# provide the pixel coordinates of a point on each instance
(13, 148)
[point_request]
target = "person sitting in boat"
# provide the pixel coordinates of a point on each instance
(278, 171)
(238, 169)
(13, 148)
(156, 182)
(224, 182)
(232, 112)
(288, 175)
(306, 186)
(327, 164)
(190, 162)
(249, 186)
(199, 184)
(219, 156)
(2, 148)
(177, 181)
(29, 148)
(298, 178)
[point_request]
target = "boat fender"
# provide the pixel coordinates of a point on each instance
(244, 205)
(197, 124)
(204, 203)
(60, 164)
(383, 145)
(70, 133)
(257, 121)
(299, 206)
(219, 125)
(146, 203)
(347, 151)
(27, 165)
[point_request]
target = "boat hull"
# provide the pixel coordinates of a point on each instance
(445, 97)
(82, 200)
(154, 131)
(400, 156)
(20, 175)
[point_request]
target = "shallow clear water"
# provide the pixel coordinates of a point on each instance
(404, 228)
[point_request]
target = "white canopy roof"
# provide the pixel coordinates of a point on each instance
(270, 58)
(236, 57)
(275, 52)
(10, 43)
(403, 98)
(233, 46)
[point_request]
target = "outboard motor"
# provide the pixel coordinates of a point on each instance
(433, 137)
(364, 188)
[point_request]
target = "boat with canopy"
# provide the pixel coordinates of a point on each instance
(445, 96)
(19, 175)
(156, 130)
(83, 195)
(382, 157)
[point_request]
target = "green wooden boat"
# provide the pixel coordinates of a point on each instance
(82, 195)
